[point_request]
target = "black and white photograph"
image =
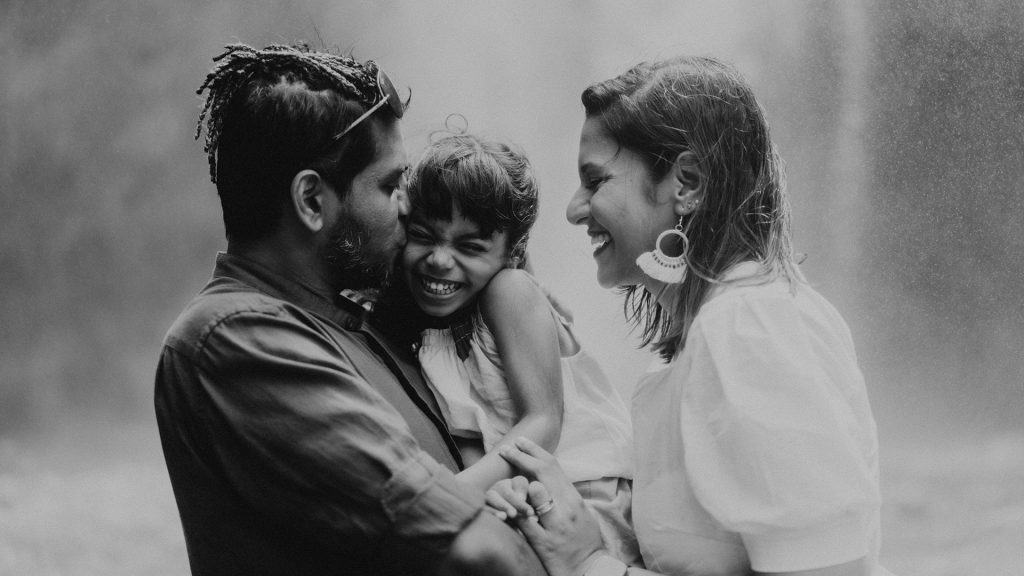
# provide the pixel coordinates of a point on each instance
(524, 287)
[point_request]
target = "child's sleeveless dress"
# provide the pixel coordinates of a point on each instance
(595, 448)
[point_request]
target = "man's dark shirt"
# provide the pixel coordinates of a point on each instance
(297, 439)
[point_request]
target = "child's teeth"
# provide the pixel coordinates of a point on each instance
(440, 288)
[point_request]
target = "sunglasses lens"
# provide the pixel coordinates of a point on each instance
(387, 90)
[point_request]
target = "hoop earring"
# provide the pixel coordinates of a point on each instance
(663, 268)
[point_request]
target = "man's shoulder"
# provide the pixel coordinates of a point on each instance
(222, 298)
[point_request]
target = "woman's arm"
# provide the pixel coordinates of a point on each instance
(526, 334)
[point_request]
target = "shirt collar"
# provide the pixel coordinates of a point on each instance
(340, 309)
(744, 273)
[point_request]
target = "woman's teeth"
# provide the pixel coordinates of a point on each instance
(598, 241)
(439, 287)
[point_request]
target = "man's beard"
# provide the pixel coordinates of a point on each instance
(358, 264)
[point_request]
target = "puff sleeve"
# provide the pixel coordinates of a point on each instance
(780, 444)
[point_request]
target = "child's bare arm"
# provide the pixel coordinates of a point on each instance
(526, 334)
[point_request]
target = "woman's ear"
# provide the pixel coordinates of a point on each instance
(307, 199)
(690, 180)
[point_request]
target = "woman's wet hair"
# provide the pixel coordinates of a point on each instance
(491, 183)
(703, 106)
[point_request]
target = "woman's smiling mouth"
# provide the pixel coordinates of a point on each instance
(599, 240)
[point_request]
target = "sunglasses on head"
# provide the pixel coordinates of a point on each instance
(387, 94)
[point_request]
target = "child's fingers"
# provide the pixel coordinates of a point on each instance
(499, 505)
(509, 496)
(500, 514)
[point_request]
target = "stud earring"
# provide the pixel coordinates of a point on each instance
(664, 268)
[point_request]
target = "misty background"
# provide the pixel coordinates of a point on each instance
(901, 124)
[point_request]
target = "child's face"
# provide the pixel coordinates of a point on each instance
(447, 264)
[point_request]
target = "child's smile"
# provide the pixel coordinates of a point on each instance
(438, 287)
(447, 263)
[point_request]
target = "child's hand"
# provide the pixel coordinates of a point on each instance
(506, 499)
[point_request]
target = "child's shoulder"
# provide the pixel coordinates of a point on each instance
(512, 289)
(514, 279)
(513, 283)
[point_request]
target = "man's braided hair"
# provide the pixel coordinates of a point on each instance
(273, 112)
(240, 63)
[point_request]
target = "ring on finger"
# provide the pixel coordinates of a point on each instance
(545, 507)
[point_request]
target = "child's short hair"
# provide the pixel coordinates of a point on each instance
(490, 182)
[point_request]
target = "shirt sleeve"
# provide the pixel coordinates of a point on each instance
(775, 446)
(302, 435)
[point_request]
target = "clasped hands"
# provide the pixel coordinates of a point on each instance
(547, 509)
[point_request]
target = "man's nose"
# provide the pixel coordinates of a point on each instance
(579, 207)
(402, 197)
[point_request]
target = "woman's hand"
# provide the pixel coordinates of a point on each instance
(560, 529)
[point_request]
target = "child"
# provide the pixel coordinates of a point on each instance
(501, 360)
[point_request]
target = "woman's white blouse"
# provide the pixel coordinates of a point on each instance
(755, 446)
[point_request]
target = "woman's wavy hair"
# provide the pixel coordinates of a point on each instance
(490, 182)
(701, 105)
(272, 113)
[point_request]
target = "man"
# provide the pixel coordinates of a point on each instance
(297, 438)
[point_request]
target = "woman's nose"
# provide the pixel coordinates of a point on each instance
(579, 207)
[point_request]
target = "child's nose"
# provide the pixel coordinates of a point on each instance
(440, 257)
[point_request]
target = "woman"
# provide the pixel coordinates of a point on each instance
(756, 449)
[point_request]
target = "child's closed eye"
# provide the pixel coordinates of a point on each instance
(474, 247)
(418, 234)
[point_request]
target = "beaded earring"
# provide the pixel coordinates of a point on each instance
(664, 268)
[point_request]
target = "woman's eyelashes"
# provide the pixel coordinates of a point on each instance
(594, 182)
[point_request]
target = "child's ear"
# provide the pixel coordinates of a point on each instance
(517, 256)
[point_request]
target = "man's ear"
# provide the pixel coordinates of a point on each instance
(307, 192)
(691, 182)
